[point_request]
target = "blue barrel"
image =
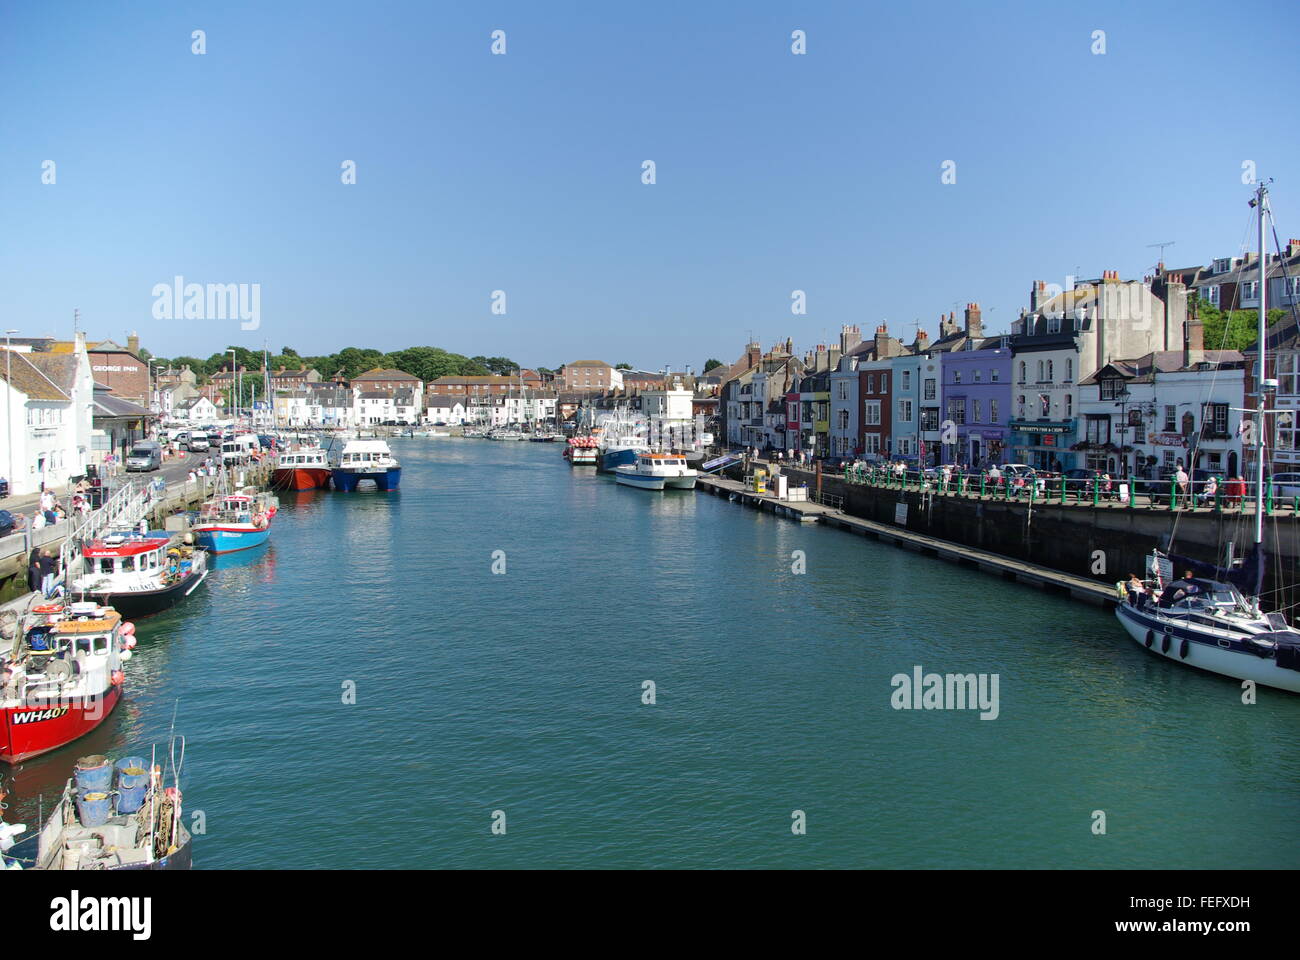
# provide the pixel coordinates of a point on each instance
(131, 799)
(132, 771)
(93, 808)
(93, 774)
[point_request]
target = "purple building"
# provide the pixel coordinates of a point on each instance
(976, 399)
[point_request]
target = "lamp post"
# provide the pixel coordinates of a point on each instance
(230, 395)
(153, 402)
(9, 414)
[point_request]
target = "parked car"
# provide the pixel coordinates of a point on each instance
(145, 455)
(199, 443)
(1286, 485)
(8, 522)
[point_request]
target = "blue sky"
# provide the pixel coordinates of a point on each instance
(522, 172)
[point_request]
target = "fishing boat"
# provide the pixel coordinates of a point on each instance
(367, 460)
(657, 471)
(138, 574)
(581, 451)
(235, 521)
(117, 816)
(301, 468)
(1211, 616)
(621, 441)
(62, 675)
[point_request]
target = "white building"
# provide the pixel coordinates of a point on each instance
(46, 416)
(1146, 417)
(197, 409)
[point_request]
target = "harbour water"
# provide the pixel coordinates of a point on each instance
(521, 692)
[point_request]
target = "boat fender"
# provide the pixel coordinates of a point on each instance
(1151, 638)
(118, 678)
(1184, 647)
(130, 643)
(1164, 643)
(128, 629)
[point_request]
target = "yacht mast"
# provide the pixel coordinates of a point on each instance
(1261, 204)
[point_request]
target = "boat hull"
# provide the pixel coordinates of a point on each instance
(1236, 663)
(679, 483)
(226, 539)
(300, 478)
(29, 731)
(348, 480)
(640, 481)
(613, 459)
(136, 604)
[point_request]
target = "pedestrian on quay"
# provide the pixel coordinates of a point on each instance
(34, 570)
(49, 571)
(1211, 489)
(38, 520)
(1180, 479)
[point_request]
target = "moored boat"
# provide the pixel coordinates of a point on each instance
(301, 468)
(367, 460)
(581, 451)
(138, 574)
(235, 521)
(657, 471)
(62, 675)
(116, 816)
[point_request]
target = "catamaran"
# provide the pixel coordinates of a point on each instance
(363, 460)
(1211, 617)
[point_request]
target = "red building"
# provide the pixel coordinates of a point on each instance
(875, 418)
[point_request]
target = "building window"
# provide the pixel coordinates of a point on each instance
(871, 383)
(929, 390)
(957, 410)
(1069, 406)
(1022, 371)
(1051, 375)
(1040, 371)
(1210, 294)
(993, 375)
(1112, 388)
(993, 411)
(975, 411)
(1054, 324)
(1044, 405)
(843, 390)
(905, 410)
(956, 376)
(907, 380)
(975, 377)
(871, 443)
(1249, 290)
(1069, 369)
(871, 413)
(930, 418)
(1171, 419)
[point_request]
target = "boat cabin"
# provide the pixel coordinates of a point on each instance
(125, 554)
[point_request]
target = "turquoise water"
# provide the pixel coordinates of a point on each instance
(522, 692)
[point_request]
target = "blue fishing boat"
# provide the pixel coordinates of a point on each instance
(366, 461)
(236, 521)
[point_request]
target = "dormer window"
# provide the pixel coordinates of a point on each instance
(1223, 265)
(1054, 323)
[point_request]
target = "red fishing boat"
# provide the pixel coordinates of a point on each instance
(301, 468)
(62, 675)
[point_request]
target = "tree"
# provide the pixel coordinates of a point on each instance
(711, 364)
(1232, 330)
(622, 366)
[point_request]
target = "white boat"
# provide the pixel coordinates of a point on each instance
(367, 460)
(657, 471)
(1211, 617)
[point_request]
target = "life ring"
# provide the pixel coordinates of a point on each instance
(1184, 647)
(47, 608)
(1164, 643)
(1151, 638)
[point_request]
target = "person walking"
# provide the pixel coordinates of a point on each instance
(49, 571)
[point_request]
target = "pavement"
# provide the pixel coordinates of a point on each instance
(171, 471)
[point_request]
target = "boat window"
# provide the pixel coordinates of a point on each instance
(99, 644)
(128, 563)
(105, 564)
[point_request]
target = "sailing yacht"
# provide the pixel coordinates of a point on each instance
(1211, 617)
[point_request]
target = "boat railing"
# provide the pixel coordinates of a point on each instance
(124, 509)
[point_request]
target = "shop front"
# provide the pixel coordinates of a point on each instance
(1043, 444)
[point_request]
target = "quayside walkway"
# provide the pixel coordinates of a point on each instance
(827, 511)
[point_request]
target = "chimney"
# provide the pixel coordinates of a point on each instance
(1193, 342)
(133, 343)
(882, 341)
(753, 353)
(922, 341)
(1036, 293)
(1293, 248)
(850, 337)
(974, 326)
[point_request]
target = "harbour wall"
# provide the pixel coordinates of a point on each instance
(1106, 542)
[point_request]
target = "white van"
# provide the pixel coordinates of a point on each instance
(240, 448)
